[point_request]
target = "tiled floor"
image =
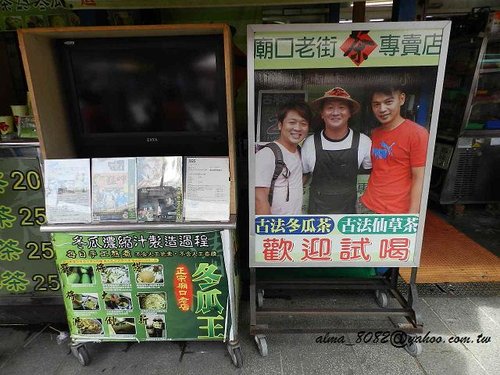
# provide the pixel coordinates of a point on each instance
(481, 222)
(448, 311)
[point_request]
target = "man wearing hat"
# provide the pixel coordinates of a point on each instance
(334, 155)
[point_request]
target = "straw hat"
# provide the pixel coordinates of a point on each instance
(338, 93)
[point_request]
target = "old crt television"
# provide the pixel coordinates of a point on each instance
(140, 96)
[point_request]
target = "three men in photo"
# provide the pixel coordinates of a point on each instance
(332, 158)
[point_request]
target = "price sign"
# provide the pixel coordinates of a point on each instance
(26, 255)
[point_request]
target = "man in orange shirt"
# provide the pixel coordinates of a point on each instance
(399, 149)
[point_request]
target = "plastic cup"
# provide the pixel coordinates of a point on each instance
(18, 111)
(7, 127)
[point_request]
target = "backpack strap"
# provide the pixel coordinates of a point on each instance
(279, 165)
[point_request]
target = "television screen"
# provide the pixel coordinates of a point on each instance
(157, 92)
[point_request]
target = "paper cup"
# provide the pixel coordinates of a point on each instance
(18, 111)
(6, 126)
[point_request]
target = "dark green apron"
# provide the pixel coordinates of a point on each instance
(334, 179)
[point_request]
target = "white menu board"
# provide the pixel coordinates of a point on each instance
(207, 189)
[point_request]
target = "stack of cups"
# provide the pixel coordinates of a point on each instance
(18, 111)
(10, 123)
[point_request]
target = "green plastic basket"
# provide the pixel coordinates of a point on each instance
(318, 273)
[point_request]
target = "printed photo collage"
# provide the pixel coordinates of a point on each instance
(132, 300)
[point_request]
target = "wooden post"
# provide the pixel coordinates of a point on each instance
(358, 11)
(334, 13)
(404, 10)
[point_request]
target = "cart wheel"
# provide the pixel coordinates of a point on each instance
(236, 356)
(414, 348)
(261, 342)
(81, 353)
(260, 298)
(382, 298)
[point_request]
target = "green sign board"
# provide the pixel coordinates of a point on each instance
(346, 48)
(26, 255)
(144, 286)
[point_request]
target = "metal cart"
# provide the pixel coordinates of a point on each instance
(384, 287)
(54, 122)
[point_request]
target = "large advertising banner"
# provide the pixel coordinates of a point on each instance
(343, 178)
(26, 255)
(144, 286)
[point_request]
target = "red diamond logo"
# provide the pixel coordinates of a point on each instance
(358, 46)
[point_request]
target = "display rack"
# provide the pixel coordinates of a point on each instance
(466, 165)
(53, 117)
